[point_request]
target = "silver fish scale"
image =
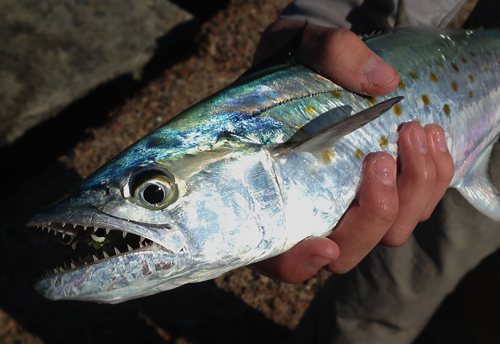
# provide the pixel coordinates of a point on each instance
(242, 196)
(450, 79)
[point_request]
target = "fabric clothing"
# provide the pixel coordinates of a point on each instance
(366, 16)
(391, 295)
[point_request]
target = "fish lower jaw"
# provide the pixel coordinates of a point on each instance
(87, 245)
(97, 259)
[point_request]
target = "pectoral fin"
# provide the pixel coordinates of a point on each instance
(478, 189)
(330, 136)
(324, 120)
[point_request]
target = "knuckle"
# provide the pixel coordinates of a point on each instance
(339, 269)
(394, 242)
(423, 175)
(334, 42)
(426, 215)
(385, 210)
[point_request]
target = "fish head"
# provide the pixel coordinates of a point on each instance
(155, 224)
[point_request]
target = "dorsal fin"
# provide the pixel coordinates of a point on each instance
(282, 56)
(401, 16)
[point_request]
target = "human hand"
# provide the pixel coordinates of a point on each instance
(390, 201)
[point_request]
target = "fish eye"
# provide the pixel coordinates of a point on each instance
(154, 190)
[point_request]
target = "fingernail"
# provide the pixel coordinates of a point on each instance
(314, 263)
(384, 170)
(440, 141)
(378, 72)
(418, 139)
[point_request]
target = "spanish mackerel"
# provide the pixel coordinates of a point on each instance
(272, 159)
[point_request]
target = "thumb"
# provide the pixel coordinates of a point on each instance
(343, 57)
(337, 54)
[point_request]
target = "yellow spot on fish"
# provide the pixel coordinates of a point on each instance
(463, 59)
(371, 100)
(310, 109)
(401, 84)
(418, 121)
(358, 154)
(454, 86)
(433, 77)
(414, 75)
(470, 94)
(471, 77)
(327, 156)
(446, 109)
(461, 107)
(473, 53)
(455, 67)
(440, 65)
(425, 99)
(397, 110)
(336, 95)
(383, 141)
(485, 68)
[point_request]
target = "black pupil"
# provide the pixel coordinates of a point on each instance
(154, 194)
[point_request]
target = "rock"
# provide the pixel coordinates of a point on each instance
(53, 52)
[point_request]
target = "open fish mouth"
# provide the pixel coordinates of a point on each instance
(87, 245)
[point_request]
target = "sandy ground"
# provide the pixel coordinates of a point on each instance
(239, 307)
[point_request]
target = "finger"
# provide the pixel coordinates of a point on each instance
(301, 262)
(443, 162)
(343, 57)
(416, 182)
(337, 54)
(369, 216)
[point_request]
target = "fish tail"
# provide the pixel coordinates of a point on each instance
(478, 189)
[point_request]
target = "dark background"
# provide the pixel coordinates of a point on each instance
(239, 307)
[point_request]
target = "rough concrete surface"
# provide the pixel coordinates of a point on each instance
(54, 51)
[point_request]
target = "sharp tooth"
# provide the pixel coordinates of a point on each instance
(84, 228)
(129, 247)
(63, 224)
(61, 269)
(107, 231)
(117, 251)
(141, 241)
(124, 234)
(63, 235)
(95, 258)
(74, 225)
(55, 270)
(105, 254)
(80, 259)
(49, 223)
(65, 266)
(73, 262)
(73, 266)
(55, 232)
